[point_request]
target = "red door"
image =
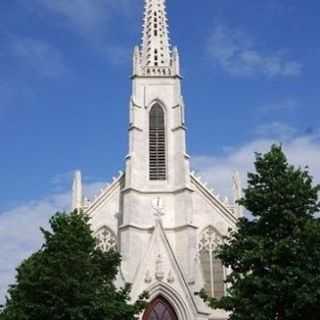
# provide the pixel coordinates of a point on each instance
(160, 309)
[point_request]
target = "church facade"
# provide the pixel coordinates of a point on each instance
(163, 219)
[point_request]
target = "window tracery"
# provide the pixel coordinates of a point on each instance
(105, 239)
(212, 268)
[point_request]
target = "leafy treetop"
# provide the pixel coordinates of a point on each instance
(70, 278)
(275, 255)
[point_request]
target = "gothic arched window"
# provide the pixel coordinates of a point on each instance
(106, 239)
(157, 144)
(212, 268)
(159, 309)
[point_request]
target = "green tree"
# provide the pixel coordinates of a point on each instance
(70, 278)
(275, 255)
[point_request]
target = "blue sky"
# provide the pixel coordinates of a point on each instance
(251, 77)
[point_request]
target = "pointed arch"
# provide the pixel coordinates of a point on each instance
(155, 101)
(157, 143)
(183, 306)
(212, 269)
(106, 239)
(160, 309)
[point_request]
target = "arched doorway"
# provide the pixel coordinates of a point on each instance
(160, 309)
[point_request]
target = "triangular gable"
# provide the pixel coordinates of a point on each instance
(213, 200)
(105, 194)
(160, 272)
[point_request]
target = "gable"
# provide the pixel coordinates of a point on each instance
(104, 209)
(159, 273)
(209, 209)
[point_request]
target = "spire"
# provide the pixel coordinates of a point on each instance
(155, 57)
(77, 192)
(156, 49)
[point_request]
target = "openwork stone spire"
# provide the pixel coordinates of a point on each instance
(155, 56)
(155, 42)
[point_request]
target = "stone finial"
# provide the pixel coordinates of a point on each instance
(86, 203)
(77, 191)
(136, 61)
(176, 61)
(237, 192)
(236, 186)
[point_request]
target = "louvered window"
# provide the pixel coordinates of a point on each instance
(157, 144)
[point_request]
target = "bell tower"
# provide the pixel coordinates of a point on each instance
(157, 164)
(157, 156)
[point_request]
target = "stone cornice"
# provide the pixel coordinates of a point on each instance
(133, 127)
(181, 127)
(135, 104)
(150, 228)
(155, 77)
(160, 191)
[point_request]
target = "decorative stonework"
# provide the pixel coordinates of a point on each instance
(148, 278)
(212, 268)
(158, 208)
(170, 277)
(209, 240)
(155, 48)
(106, 239)
(159, 274)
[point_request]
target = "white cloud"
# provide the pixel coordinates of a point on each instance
(20, 234)
(93, 20)
(288, 104)
(88, 17)
(277, 130)
(237, 53)
(19, 231)
(83, 15)
(218, 170)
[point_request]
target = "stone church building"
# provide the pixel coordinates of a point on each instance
(163, 219)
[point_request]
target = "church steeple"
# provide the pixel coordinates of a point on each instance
(155, 57)
(155, 47)
(157, 157)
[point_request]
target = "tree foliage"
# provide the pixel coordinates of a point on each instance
(275, 255)
(69, 278)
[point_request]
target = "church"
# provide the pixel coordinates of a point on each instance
(164, 220)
